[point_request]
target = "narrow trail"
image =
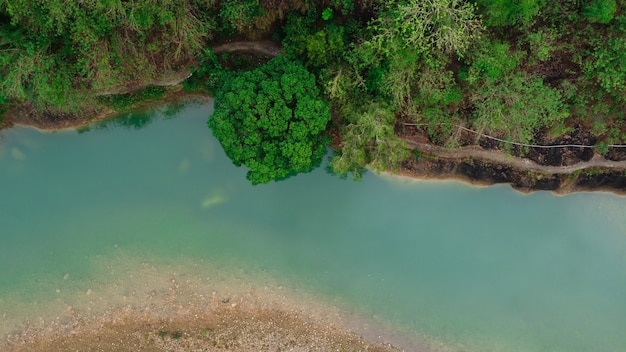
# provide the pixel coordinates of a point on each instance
(263, 47)
(26, 116)
(477, 153)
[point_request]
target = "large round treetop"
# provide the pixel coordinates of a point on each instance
(271, 119)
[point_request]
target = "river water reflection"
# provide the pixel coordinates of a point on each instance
(475, 269)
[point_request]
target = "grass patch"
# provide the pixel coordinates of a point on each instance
(175, 335)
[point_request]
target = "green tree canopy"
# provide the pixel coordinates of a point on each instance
(53, 50)
(509, 12)
(601, 11)
(425, 25)
(271, 120)
(517, 106)
(369, 139)
(607, 63)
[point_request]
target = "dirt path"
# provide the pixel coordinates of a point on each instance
(476, 153)
(167, 80)
(263, 47)
(26, 116)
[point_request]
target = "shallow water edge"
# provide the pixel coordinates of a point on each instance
(474, 172)
(145, 216)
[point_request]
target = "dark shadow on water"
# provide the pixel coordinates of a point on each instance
(173, 109)
(329, 169)
(138, 119)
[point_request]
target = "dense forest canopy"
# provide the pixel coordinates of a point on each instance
(524, 71)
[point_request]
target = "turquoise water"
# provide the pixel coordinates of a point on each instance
(475, 269)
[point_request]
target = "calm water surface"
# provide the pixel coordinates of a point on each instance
(476, 269)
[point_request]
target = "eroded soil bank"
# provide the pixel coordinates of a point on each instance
(485, 162)
(485, 173)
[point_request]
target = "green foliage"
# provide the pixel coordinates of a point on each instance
(403, 66)
(345, 87)
(436, 87)
(601, 11)
(175, 335)
(369, 140)
(325, 46)
(395, 78)
(490, 59)
(516, 107)
(542, 43)
(428, 61)
(438, 97)
(315, 47)
(509, 12)
(272, 120)
(560, 14)
(410, 85)
(409, 37)
(417, 154)
(608, 65)
(123, 102)
(52, 51)
(327, 14)
(508, 102)
(239, 15)
(424, 26)
(345, 6)
(208, 75)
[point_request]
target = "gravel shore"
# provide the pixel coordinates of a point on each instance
(146, 307)
(225, 329)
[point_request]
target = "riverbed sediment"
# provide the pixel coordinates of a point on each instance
(143, 306)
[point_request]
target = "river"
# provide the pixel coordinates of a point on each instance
(458, 267)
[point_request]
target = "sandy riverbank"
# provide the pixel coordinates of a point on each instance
(226, 327)
(135, 305)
